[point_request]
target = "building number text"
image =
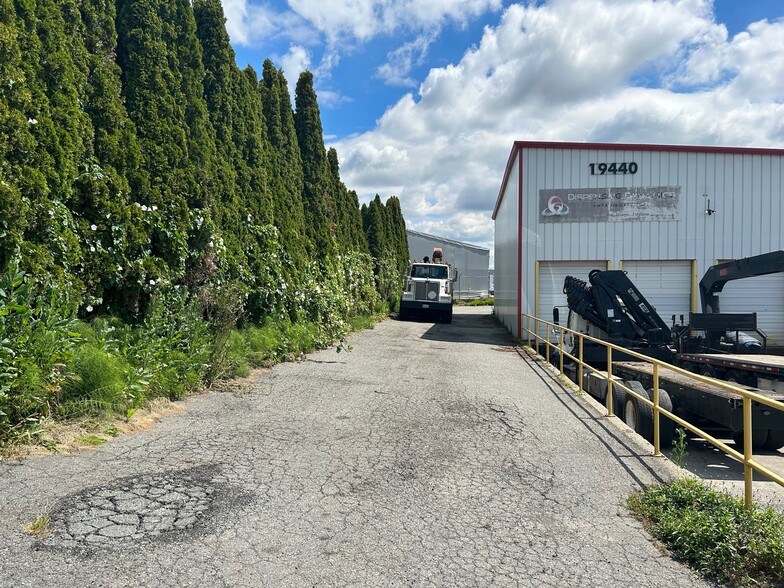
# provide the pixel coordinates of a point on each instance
(613, 168)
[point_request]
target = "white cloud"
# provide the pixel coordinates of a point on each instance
(597, 70)
(396, 71)
(365, 19)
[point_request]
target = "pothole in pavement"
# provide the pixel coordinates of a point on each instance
(154, 506)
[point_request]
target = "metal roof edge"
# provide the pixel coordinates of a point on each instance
(453, 241)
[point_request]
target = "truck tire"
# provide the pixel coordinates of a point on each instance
(666, 426)
(618, 401)
(636, 413)
(403, 314)
(775, 439)
(759, 439)
(448, 316)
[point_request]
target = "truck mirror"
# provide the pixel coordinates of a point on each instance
(555, 315)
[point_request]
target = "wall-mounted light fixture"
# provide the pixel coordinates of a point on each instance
(708, 210)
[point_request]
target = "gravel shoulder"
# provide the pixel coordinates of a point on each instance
(430, 455)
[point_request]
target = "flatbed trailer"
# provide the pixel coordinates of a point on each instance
(689, 398)
(765, 372)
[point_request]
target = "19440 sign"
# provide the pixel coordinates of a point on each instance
(600, 169)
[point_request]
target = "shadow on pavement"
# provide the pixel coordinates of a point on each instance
(598, 425)
(469, 328)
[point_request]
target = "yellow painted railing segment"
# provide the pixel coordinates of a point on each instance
(746, 458)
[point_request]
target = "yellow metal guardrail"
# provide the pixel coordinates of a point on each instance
(746, 458)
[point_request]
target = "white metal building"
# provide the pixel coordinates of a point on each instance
(471, 261)
(664, 213)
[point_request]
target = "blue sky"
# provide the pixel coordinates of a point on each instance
(423, 98)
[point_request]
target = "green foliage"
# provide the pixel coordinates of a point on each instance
(714, 533)
(37, 341)
(679, 447)
(163, 196)
(477, 302)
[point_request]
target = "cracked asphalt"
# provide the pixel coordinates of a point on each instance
(430, 455)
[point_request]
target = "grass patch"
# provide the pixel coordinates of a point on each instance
(39, 527)
(714, 533)
(92, 440)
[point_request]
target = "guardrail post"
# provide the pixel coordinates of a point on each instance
(656, 414)
(748, 473)
(609, 382)
(580, 366)
(560, 347)
(546, 343)
(528, 317)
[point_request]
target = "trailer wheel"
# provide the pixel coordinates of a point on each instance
(736, 377)
(759, 439)
(666, 426)
(775, 439)
(636, 413)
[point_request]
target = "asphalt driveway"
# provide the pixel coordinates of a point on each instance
(430, 455)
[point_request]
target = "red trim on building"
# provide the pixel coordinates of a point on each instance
(518, 145)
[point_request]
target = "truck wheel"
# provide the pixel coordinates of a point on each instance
(636, 413)
(403, 314)
(775, 439)
(666, 426)
(759, 439)
(618, 401)
(448, 316)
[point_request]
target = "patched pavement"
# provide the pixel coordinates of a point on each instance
(430, 455)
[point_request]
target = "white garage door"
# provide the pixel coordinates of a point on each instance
(551, 281)
(665, 284)
(763, 295)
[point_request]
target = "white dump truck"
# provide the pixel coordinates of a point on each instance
(428, 290)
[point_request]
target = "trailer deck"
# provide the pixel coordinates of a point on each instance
(770, 364)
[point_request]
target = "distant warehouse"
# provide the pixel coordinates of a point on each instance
(471, 261)
(663, 213)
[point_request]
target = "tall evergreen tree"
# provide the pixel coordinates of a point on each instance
(285, 166)
(318, 205)
(17, 143)
(398, 229)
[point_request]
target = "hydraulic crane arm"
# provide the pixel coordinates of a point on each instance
(714, 279)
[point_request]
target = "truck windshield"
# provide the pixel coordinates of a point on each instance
(437, 272)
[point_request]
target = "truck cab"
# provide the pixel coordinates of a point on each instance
(428, 289)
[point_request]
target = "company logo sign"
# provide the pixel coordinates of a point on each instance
(657, 203)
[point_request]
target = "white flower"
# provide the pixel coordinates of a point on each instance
(152, 282)
(154, 208)
(119, 268)
(32, 121)
(51, 213)
(248, 218)
(92, 248)
(144, 208)
(89, 308)
(93, 228)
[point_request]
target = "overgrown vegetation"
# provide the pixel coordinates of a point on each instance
(488, 301)
(714, 533)
(166, 218)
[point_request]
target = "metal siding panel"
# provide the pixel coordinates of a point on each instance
(506, 239)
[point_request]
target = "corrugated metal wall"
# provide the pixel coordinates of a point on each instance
(506, 239)
(745, 191)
